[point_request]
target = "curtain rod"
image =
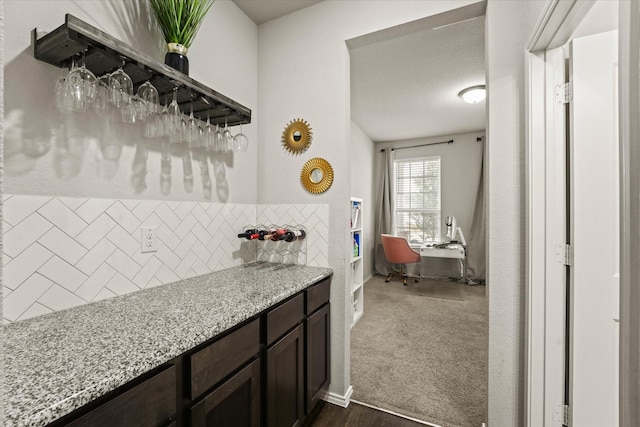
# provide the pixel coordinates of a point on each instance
(419, 145)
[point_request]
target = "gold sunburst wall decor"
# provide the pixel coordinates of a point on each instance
(297, 136)
(316, 175)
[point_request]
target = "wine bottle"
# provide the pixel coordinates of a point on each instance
(289, 236)
(293, 235)
(300, 234)
(247, 234)
(278, 234)
(271, 234)
(264, 235)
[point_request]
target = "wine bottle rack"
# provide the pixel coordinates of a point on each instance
(274, 252)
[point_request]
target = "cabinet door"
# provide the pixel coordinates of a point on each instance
(285, 370)
(151, 403)
(318, 360)
(235, 403)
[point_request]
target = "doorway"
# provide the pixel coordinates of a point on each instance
(455, 312)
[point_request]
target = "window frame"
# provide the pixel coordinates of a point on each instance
(438, 211)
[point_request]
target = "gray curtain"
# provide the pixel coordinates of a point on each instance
(385, 220)
(476, 243)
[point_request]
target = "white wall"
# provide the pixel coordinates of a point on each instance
(1, 136)
(82, 154)
(304, 72)
(72, 212)
(508, 26)
(362, 183)
(460, 165)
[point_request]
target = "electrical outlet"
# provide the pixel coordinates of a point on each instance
(149, 239)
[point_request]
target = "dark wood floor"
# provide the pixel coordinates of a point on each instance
(328, 415)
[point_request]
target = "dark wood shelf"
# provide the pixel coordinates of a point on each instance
(104, 54)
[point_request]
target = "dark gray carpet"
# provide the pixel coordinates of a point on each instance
(421, 351)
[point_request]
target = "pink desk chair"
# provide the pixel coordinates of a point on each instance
(398, 251)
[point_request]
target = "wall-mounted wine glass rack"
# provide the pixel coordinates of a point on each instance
(104, 54)
(275, 252)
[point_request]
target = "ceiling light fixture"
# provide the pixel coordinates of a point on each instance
(473, 94)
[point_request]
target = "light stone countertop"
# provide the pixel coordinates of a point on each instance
(56, 363)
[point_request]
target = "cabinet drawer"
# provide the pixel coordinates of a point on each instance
(219, 359)
(318, 295)
(151, 403)
(282, 319)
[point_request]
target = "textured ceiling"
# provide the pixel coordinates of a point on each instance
(265, 10)
(404, 82)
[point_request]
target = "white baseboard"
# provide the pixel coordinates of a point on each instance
(340, 400)
(366, 279)
(397, 414)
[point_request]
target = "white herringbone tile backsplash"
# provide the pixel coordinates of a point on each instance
(62, 252)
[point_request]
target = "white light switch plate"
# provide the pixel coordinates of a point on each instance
(149, 239)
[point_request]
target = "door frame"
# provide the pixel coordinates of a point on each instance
(546, 230)
(629, 98)
(545, 317)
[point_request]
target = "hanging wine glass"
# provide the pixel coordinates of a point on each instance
(165, 119)
(121, 88)
(180, 133)
(68, 100)
(79, 88)
(240, 141)
(101, 102)
(218, 143)
(209, 135)
(174, 112)
(227, 138)
(201, 140)
(192, 129)
(153, 126)
(58, 89)
(150, 98)
(89, 82)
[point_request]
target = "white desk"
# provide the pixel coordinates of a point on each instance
(457, 252)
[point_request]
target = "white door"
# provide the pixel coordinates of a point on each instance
(594, 224)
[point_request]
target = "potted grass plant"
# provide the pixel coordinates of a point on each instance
(179, 21)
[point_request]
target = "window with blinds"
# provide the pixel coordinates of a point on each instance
(418, 199)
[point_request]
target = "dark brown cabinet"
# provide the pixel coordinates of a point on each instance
(317, 342)
(285, 380)
(298, 365)
(235, 403)
(269, 371)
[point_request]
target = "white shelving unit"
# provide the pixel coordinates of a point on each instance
(357, 271)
